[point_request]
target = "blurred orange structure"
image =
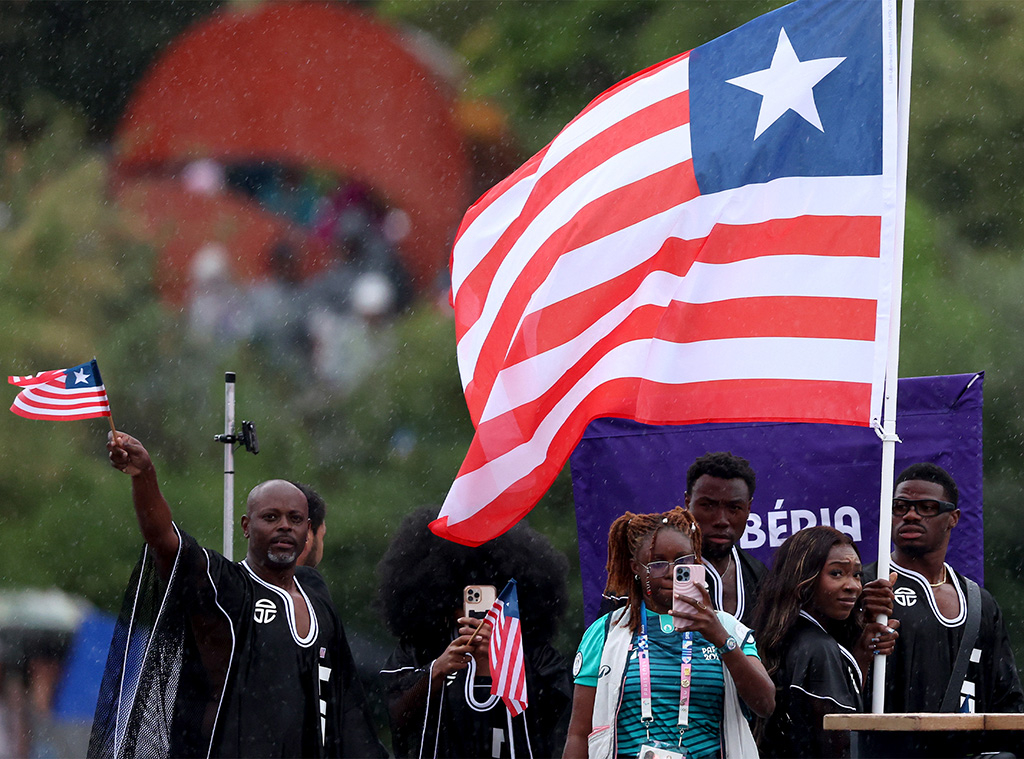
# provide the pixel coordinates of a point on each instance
(321, 87)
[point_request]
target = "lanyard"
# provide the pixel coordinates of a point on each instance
(686, 670)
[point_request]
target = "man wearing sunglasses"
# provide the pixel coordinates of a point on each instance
(953, 654)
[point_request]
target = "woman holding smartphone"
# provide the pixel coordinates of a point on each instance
(437, 681)
(645, 688)
(815, 647)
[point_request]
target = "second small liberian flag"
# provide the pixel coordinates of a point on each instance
(508, 671)
(62, 394)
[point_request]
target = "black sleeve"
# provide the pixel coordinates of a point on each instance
(813, 681)
(402, 672)
(1004, 692)
(358, 733)
(549, 687)
(350, 730)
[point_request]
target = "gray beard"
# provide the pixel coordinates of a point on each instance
(282, 559)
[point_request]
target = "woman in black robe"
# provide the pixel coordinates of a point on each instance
(439, 702)
(815, 647)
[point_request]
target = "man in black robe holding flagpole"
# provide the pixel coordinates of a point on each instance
(217, 659)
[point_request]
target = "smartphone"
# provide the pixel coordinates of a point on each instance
(477, 600)
(685, 580)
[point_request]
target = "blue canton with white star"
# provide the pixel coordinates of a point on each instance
(830, 56)
(81, 376)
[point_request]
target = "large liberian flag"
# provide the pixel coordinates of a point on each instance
(710, 240)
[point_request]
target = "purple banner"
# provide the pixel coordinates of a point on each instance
(807, 474)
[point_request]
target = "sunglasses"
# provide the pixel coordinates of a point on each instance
(924, 508)
(658, 569)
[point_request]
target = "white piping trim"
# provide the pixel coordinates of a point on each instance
(426, 709)
(231, 658)
(719, 599)
(468, 688)
(118, 730)
(511, 740)
(849, 657)
(437, 727)
(118, 738)
(289, 607)
(929, 594)
(823, 698)
(396, 671)
(526, 732)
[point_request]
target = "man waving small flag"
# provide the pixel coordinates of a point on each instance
(62, 394)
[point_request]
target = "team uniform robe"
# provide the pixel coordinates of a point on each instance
(918, 670)
(211, 663)
(465, 721)
(816, 676)
(750, 572)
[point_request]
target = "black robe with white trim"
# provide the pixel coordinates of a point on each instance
(465, 721)
(816, 676)
(918, 670)
(211, 663)
(750, 572)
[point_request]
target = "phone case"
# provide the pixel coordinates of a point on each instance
(477, 600)
(685, 578)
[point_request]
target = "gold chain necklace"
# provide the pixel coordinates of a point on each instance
(942, 581)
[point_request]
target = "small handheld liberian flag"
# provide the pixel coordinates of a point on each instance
(62, 394)
(508, 672)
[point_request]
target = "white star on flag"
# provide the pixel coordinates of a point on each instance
(787, 85)
(81, 376)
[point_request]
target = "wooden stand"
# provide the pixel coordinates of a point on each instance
(931, 735)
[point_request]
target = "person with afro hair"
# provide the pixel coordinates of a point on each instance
(437, 680)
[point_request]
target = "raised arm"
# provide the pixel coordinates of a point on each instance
(151, 509)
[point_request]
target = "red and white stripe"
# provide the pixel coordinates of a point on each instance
(45, 397)
(598, 281)
(506, 659)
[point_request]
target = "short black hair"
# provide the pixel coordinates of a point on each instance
(725, 466)
(315, 504)
(929, 472)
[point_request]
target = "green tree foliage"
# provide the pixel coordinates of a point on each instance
(544, 61)
(967, 121)
(76, 283)
(87, 53)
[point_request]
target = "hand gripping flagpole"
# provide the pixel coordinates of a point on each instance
(889, 437)
(248, 438)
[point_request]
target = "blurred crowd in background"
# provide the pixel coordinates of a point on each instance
(331, 326)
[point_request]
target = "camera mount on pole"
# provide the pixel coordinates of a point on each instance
(230, 438)
(246, 436)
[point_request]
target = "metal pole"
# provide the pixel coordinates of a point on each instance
(229, 464)
(889, 438)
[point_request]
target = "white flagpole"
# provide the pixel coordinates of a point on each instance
(229, 464)
(889, 438)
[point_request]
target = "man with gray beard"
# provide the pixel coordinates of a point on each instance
(214, 658)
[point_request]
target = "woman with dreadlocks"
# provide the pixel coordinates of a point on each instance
(643, 685)
(813, 644)
(437, 681)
